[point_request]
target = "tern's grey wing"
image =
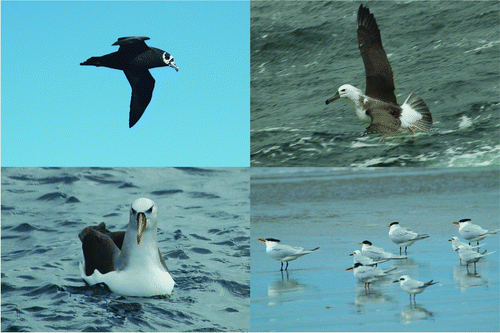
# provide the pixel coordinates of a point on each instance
(287, 253)
(374, 253)
(379, 77)
(473, 230)
(414, 284)
(405, 233)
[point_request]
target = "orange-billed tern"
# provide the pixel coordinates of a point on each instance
(283, 253)
(472, 232)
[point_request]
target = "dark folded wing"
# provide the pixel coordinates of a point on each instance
(99, 251)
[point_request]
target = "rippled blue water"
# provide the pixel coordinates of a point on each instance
(337, 208)
(203, 232)
(303, 51)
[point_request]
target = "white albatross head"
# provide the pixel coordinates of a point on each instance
(143, 215)
(346, 91)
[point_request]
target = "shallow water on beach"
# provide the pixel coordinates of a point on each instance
(337, 208)
(203, 233)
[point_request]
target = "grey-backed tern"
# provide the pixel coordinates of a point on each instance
(283, 253)
(368, 274)
(411, 286)
(472, 232)
(403, 237)
(376, 253)
(357, 257)
(470, 256)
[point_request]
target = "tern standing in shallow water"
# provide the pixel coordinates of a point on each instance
(368, 274)
(281, 252)
(456, 243)
(470, 256)
(403, 237)
(378, 106)
(357, 257)
(376, 253)
(411, 286)
(472, 232)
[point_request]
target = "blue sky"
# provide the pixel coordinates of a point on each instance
(58, 113)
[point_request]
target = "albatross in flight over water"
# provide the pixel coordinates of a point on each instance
(378, 105)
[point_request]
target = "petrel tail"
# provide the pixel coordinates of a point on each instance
(93, 61)
(418, 105)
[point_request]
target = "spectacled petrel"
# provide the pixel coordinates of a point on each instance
(134, 58)
(378, 105)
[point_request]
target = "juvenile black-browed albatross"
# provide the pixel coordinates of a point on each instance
(134, 58)
(128, 262)
(378, 106)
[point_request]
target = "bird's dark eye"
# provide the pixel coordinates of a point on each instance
(150, 210)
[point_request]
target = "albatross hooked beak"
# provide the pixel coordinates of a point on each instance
(334, 98)
(141, 226)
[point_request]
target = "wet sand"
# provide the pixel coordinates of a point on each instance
(312, 208)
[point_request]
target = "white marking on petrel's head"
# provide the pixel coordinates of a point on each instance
(169, 61)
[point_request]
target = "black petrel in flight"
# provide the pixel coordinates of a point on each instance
(134, 58)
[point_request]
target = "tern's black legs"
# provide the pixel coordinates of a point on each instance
(286, 268)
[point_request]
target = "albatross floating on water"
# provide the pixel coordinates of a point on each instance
(134, 58)
(378, 106)
(128, 262)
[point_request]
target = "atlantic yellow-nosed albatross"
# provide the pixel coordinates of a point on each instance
(378, 105)
(128, 262)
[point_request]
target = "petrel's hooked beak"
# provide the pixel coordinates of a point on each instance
(334, 98)
(174, 66)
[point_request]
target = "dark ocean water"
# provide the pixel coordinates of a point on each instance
(334, 209)
(302, 51)
(203, 232)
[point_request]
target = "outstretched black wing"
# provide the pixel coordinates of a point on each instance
(142, 84)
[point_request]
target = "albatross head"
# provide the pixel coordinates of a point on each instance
(143, 215)
(346, 91)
